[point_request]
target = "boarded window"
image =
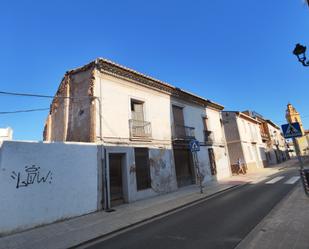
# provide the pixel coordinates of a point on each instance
(178, 115)
(143, 179)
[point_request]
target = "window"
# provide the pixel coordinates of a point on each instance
(244, 125)
(251, 130)
(137, 110)
(142, 165)
(205, 124)
(250, 152)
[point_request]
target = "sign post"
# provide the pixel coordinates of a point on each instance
(194, 148)
(293, 130)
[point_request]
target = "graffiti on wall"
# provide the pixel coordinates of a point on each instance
(31, 175)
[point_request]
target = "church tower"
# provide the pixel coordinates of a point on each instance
(293, 116)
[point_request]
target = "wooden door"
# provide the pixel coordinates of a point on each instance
(212, 161)
(115, 179)
(179, 128)
(184, 167)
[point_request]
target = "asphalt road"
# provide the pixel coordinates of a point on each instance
(219, 222)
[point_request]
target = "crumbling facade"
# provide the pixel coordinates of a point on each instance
(144, 126)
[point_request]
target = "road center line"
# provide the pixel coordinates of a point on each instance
(276, 179)
(292, 180)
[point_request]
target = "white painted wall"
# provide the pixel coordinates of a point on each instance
(193, 117)
(215, 125)
(6, 134)
(249, 131)
(116, 95)
(70, 189)
(223, 162)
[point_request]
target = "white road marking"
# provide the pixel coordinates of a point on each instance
(276, 179)
(292, 180)
(259, 179)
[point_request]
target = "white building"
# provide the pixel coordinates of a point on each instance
(272, 138)
(6, 134)
(144, 125)
(277, 148)
(244, 139)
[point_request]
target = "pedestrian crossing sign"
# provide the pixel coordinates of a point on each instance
(194, 145)
(291, 130)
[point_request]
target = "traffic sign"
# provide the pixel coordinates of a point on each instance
(291, 130)
(194, 145)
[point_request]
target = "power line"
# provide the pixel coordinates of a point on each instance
(26, 94)
(64, 97)
(43, 96)
(21, 111)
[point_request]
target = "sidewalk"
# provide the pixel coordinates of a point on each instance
(285, 227)
(75, 231)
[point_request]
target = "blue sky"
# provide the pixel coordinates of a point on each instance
(236, 53)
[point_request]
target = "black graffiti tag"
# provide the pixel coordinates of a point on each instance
(32, 175)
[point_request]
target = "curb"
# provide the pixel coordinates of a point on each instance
(161, 214)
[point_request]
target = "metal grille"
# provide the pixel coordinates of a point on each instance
(139, 128)
(183, 132)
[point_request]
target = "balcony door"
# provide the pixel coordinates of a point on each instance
(179, 122)
(137, 110)
(138, 120)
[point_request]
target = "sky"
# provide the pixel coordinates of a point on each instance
(236, 53)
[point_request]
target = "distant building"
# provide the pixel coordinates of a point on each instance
(244, 139)
(272, 138)
(6, 134)
(292, 116)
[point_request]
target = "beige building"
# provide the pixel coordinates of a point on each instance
(244, 139)
(145, 126)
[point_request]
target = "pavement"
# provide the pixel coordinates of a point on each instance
(73, 232)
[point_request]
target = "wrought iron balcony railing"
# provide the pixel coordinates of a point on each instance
(265, 136)
(181, 132)
(139, 129)
(209, 137)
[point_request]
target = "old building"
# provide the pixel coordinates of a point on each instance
(272, 138)
(144, 126)
(244, 139)
(276, 150)
(292, 116)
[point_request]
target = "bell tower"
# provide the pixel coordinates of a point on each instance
(293, 116)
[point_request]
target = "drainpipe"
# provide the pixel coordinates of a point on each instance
(107, 205)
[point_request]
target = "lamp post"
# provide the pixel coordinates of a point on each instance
(300, 52)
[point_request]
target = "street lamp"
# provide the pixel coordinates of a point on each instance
(300, 52)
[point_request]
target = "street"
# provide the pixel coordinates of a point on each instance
(219, 222)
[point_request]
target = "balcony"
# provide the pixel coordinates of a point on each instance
(139, 129)
(265, 136)
(209, 137)
(181, 132)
